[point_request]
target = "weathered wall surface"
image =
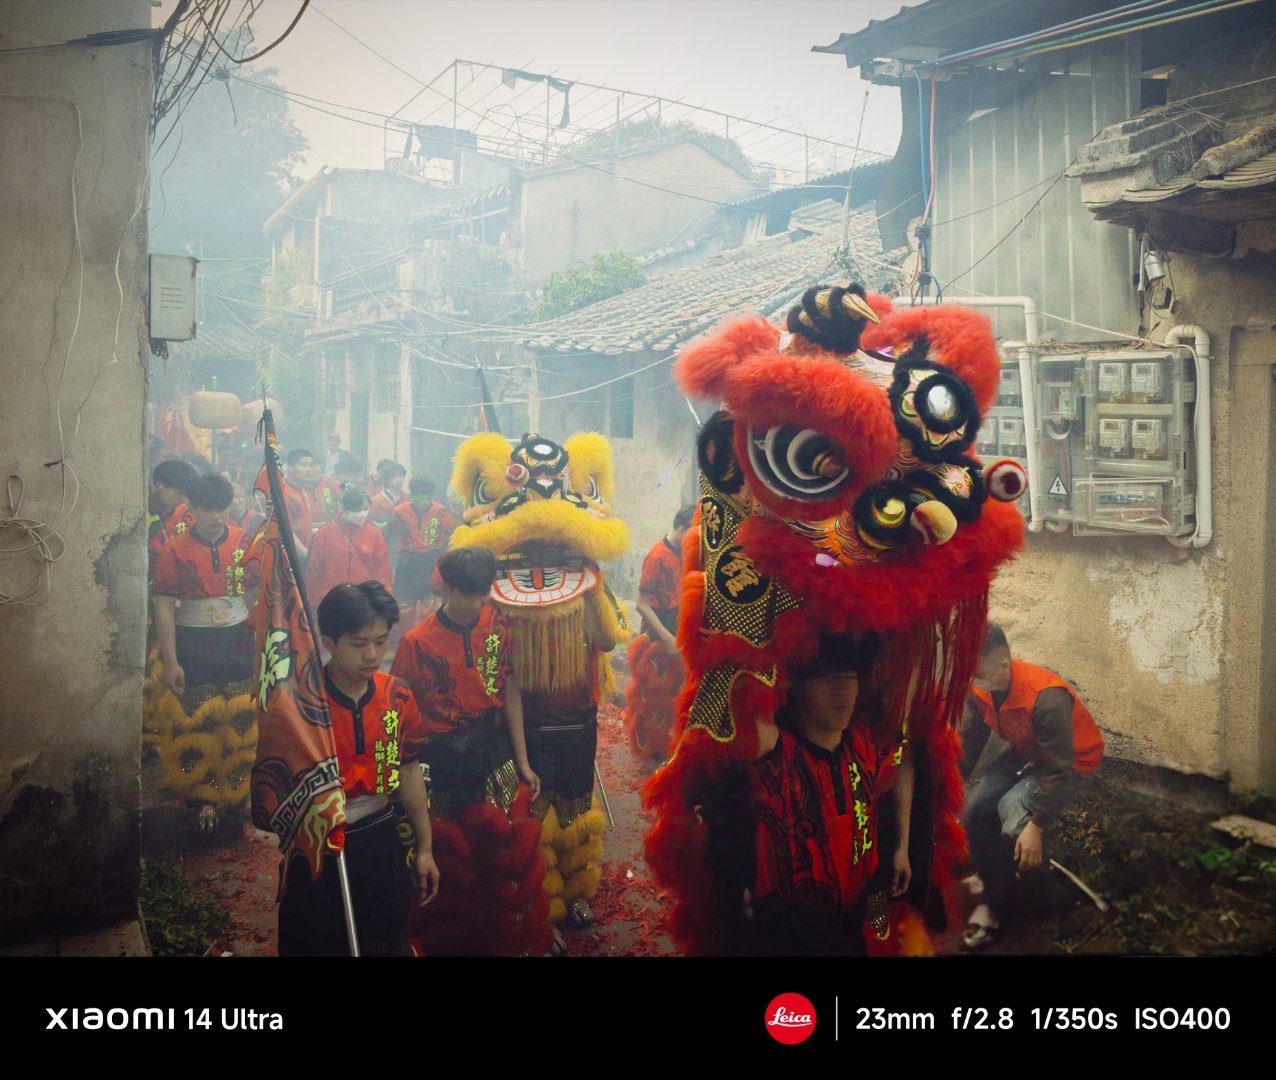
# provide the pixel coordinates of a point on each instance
(73, 390)
(1175, 650)
(569, 216)
(654, 468)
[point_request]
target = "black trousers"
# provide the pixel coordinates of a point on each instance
(311, 920)
(994, 817)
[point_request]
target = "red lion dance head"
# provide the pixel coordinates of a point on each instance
(838, 494)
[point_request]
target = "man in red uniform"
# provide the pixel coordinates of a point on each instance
(201, 579)
(305, 476)
(655, 668)
(348, 550)
(661, 583)
(390, 480)
(379, 738)
(1045, 740)
(458, 664)
(420, 528)
(171, 515)
(794, 837)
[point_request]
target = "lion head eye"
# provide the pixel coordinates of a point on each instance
(591, 491)
(798, 463)
(480, 493)
(944, 404)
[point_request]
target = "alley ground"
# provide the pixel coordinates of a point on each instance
(1174, 885)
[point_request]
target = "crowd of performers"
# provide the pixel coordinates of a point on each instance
(199, 715)
(810, 630)
(515, 823)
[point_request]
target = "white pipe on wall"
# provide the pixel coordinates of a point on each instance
(1031, 335)
(1177, 335)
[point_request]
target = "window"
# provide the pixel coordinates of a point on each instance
(389, 381)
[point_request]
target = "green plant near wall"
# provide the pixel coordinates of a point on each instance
(610, 274)
(181, 918)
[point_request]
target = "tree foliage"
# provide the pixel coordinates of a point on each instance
(226, 166)
(610, 274)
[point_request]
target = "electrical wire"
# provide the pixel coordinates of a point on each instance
(1149, 23)
(1013, 229)
(1048, 32)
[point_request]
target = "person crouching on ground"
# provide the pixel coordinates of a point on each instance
(1043, 740)
(379, 737)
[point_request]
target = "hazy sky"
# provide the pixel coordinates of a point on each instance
(748, 57)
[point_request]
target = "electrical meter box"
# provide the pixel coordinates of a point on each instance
(1109, 431)
(171, 310)
(1003, 433)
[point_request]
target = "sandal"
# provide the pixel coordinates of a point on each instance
(580, 914)
(979, 936)
(558, 945)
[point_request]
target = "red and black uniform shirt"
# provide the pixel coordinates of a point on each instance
(164, 527)
(457, 675)
(298, 506)
(661, 584)
(425, 530)
(814, 815)
(323, 504)
(192, 568)
(328, 494)
(375, 735)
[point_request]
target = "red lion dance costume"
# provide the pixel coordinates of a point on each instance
(655, 673)
(836, 496)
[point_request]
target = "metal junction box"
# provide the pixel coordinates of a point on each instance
(171, 312)
(1112, 436)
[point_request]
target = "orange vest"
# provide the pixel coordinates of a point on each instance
(1014, 720)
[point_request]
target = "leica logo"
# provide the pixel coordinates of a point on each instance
(790, 1019)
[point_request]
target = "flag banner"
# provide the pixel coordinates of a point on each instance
(296, 781)
(487, 410)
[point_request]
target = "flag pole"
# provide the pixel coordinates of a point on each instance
(279, 507)
(347, 905)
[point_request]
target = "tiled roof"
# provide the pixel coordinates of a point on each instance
(766, 277)
(1164, 154)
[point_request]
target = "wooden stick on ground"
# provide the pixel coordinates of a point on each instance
(1099, 902)
(603, 792)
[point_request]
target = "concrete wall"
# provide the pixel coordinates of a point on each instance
(70, 683)
(1175, 651)
(570, 215)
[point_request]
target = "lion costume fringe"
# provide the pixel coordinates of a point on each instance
(651, 698)
(206, 739)
(836, 496)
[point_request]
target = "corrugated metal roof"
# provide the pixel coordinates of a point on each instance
(767, 277)
(926, 31)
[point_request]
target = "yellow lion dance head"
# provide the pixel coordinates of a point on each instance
(544, 510)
